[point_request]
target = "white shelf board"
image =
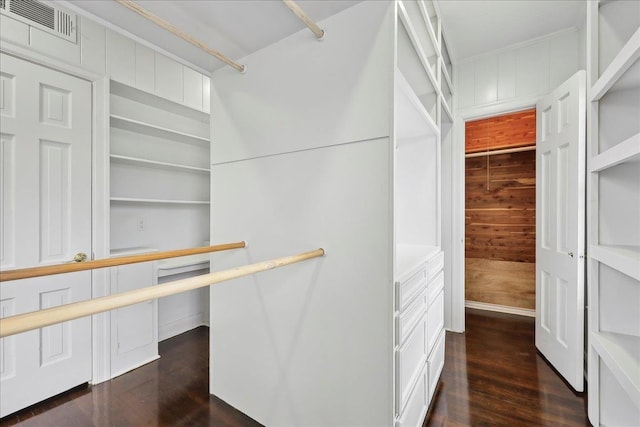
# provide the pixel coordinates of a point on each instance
(402, 12)
(127, 123)
(624, 60)
(137, 250)
(410, 257)
(621, 353)
(411, 117)
(447, 109)
(158, 201)
(447, 77)
(624, 152)
(154, 163)
(171, 266)
(625, 259)
(432, 32)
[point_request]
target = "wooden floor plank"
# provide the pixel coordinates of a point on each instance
(493, 376)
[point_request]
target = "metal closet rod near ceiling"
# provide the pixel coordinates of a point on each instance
(297, 10)
(178, 32)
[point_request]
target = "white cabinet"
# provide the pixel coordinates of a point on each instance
(121, 58)
(613, 35)
(419, 354)
(134, 329)
(168, 78)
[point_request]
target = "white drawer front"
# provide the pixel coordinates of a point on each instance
(409, 317)
(436, 363)
(410, 361)
(416, 409)
(436, 264)
(435, 287)
(435, 320)
(407, 290)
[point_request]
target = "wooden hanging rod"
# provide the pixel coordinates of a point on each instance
(505, 151)
(297, 10)
(178, 32)
(47, 270)
(38, 319)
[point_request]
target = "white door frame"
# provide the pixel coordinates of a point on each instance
(101, 369)
(457, 284)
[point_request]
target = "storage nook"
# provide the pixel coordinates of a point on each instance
(159, 192)
(613, 35)
(304, 156)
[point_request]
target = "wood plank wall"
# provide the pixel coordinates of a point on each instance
(500, 213)
(506, 131)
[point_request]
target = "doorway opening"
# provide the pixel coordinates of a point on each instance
(500, 213)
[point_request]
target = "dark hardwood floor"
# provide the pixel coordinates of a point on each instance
(171, 391)
(492, 377)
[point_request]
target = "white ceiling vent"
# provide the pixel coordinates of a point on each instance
(43, 15)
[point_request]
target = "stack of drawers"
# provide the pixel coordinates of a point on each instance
(419, 339)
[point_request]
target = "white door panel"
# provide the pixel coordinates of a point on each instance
(46, 219)
(560, 245)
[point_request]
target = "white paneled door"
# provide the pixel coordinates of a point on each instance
(45, 203)
(560, 221)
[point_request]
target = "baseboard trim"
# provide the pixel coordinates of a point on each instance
(177, 327)
(500, 308)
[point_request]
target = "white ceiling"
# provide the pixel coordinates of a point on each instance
(237, 28)
(473, 27)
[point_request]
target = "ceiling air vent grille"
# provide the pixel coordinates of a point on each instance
(44, 15)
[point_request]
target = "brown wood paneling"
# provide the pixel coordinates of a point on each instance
(501, 282)
(506, 131)
(500, 215)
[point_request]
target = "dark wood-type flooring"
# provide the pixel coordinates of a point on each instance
(492, 377)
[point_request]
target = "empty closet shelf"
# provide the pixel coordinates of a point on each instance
(184, 264)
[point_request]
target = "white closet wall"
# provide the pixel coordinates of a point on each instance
(302, 159)
(532, 68)
(332, 144)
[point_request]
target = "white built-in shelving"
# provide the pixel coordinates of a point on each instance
(153, 163)
(159, 180)
(613, 34)
(158, 201)
(627, 151)
(423, 94)
(150, 129)
(159, 154)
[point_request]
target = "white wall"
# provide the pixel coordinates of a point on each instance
(302, 159)
(497, 82)
(517, 72)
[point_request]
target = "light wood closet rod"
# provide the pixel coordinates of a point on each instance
(37, 319)
(178, 32)
(505, 151)
(47, 270)
(297, 10)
